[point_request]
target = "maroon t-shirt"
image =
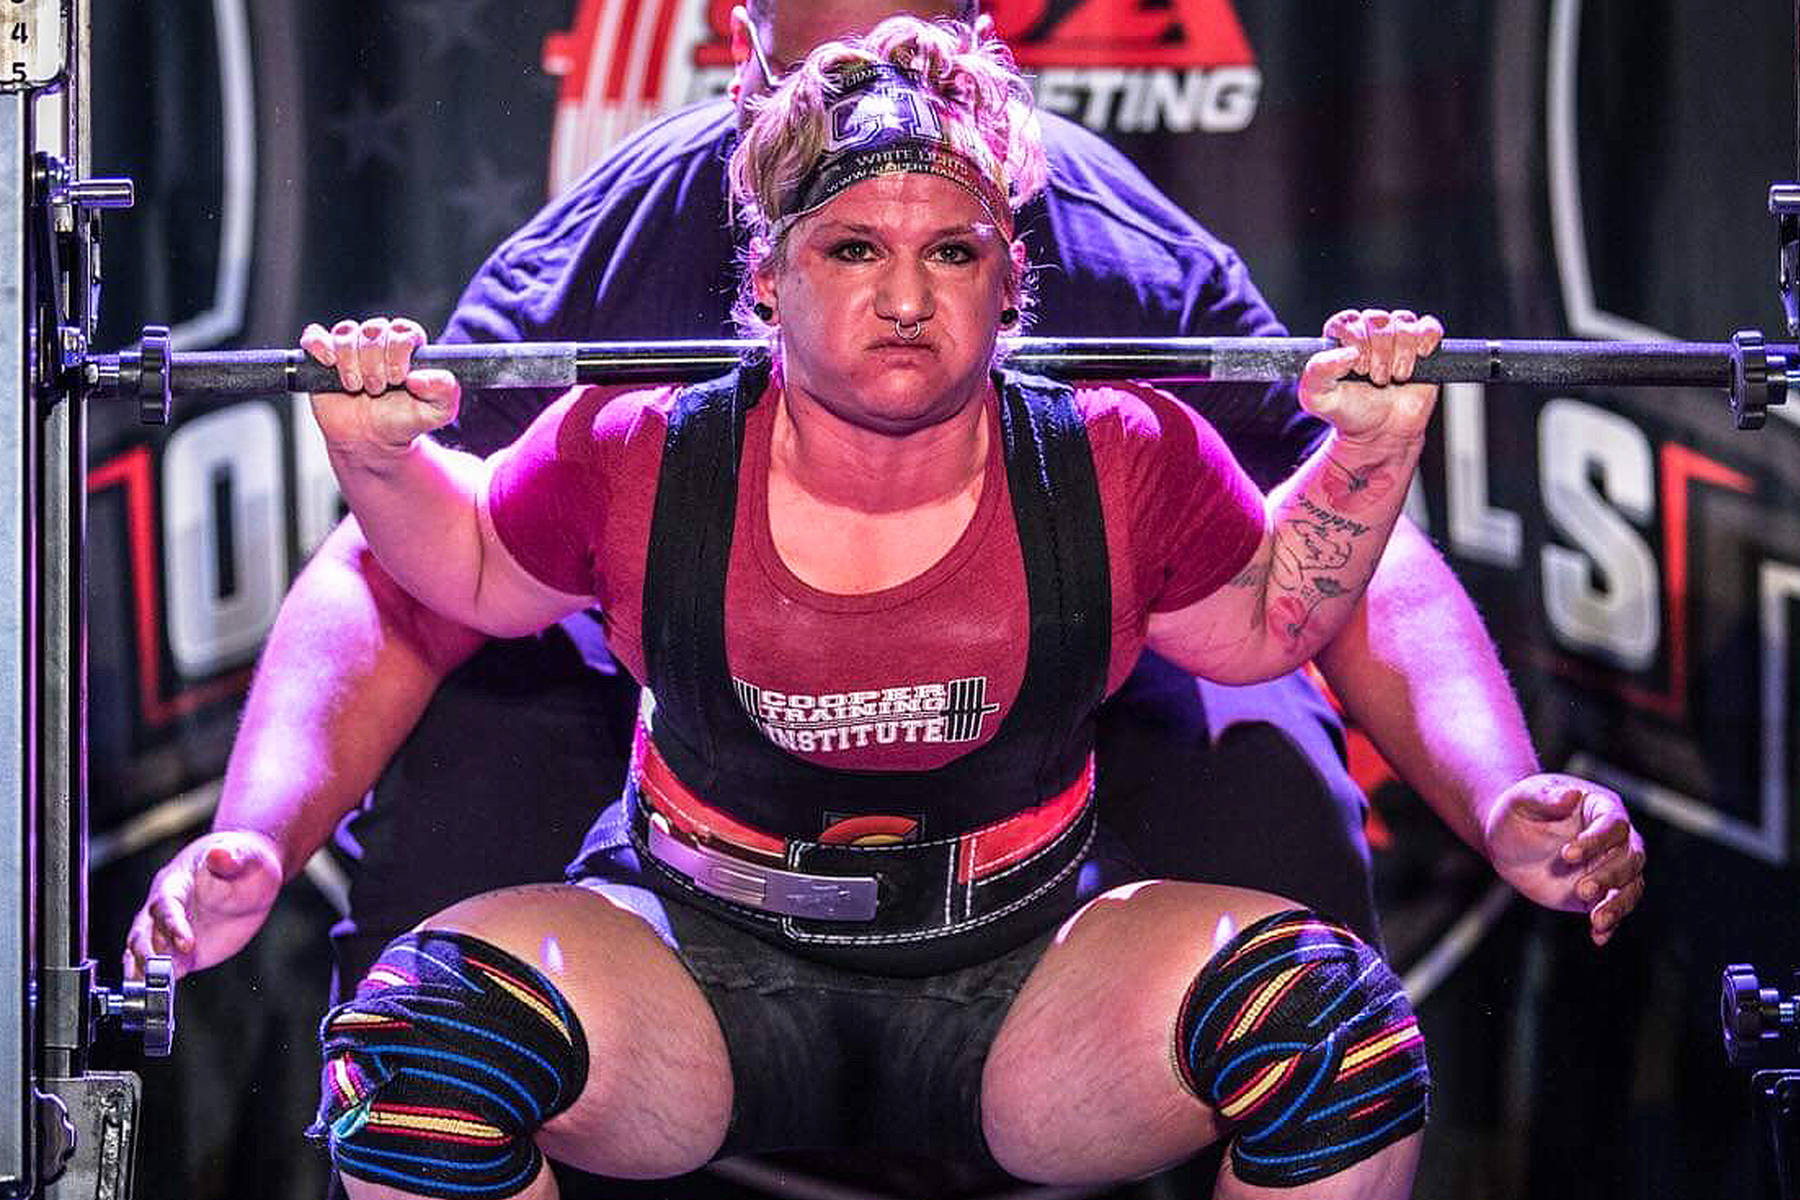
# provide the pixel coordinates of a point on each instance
(912, 676)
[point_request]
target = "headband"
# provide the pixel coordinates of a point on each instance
(880, 122)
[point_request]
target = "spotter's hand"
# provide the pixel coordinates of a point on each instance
(206, 902)
(1382, 347)
(1568, 844)
(385, 404)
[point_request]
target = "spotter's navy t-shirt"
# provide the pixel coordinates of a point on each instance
(642, 249)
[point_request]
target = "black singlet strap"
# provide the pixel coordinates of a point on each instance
(690, 544)
(1056, 503)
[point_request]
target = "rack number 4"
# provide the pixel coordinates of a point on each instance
(32, 49)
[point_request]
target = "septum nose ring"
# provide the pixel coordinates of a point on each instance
(901, 331)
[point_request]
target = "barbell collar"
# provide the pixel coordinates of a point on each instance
(1749, 379)
(151, 372)
(156, 376)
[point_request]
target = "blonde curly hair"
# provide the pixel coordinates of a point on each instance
(983, 105)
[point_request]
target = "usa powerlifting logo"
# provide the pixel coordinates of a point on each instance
(1116, 66)
(1132, 66)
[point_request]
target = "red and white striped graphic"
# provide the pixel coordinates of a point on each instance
(622, 64)
(1125, 66)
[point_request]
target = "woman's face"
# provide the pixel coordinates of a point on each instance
(896, 248)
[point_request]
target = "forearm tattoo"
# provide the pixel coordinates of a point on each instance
(1356, 487)
(1315, 553)
(1252, 576)
(1327, 519)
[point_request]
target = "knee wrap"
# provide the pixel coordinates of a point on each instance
(1299, 1034)
(441, 1069)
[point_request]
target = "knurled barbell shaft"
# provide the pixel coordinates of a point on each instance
(561, 364)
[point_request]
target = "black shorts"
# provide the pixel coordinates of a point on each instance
(828, 1059)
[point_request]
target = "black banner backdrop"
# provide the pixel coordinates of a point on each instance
(1520, 167)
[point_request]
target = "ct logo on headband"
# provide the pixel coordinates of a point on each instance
(858, 120)
(878, 102)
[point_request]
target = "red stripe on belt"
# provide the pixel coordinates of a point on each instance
(980, 852)
(688, 815)
(998, 846)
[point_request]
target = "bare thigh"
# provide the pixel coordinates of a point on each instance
(658, 1094)
(1081, 1084)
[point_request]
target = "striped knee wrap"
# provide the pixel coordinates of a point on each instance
(444, 1065)
(1299, 1035)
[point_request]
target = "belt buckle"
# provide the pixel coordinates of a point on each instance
(768, 889)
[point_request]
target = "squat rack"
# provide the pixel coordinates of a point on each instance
(64, 1130)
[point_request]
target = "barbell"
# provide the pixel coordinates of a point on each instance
(1753, 374)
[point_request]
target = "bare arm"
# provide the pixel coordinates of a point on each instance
(1325, 527)
(422, 507)
(1415, 668)
(347, 669)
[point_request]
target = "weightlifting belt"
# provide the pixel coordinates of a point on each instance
(857, 893)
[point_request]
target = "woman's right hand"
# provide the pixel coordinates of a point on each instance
(206, 902)
(385, 404)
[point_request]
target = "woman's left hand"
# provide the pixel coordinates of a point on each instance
(1382, 347)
